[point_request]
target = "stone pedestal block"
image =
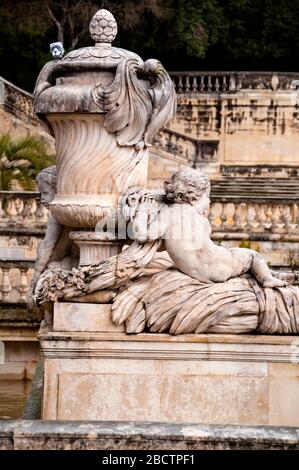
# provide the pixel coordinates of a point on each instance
(94, 371)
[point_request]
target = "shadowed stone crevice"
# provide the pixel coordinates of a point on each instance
(33, 407)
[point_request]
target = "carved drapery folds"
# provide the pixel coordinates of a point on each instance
(151, 295)
(135, 110)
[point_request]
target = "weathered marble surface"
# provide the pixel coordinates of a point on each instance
(194, 286)
(66, 435)
(219, 379)
(104, 105)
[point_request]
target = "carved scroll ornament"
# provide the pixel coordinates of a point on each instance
(135, 109)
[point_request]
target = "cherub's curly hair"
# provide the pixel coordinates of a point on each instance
(49, 175)
(186, 186)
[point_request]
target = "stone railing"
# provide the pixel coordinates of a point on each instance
(255, 217)
(21, 209)
(231, 217)
(15, 279)
(20, 103)
(232, 82)
(229, 213)
(17, 101)
(188, 148)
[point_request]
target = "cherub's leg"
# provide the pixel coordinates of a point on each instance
(262, 272)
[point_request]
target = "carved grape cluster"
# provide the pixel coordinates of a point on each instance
(103, 27)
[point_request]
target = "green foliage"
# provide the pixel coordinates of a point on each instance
(183, 34)
(21, 159)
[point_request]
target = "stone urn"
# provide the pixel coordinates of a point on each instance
(103, 105)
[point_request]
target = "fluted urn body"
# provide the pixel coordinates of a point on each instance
(103, 105)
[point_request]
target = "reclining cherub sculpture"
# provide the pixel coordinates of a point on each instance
(181, 221)
(173, 278)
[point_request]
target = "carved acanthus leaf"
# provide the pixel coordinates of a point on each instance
(136, 112)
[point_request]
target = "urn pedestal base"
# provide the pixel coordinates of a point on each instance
(94, 371)
(94, 246)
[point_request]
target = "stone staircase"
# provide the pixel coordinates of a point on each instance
(282, 190)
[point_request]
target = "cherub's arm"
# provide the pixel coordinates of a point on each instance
(149, 223)
(46, 248)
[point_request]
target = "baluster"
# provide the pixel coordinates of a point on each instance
(170, 143)
(276, 218)
(224, 83)
(232, 83)
(250, 217)
(213, 216)
(235, 217)
(286, 217)
(202, 83)
(209, 83)
(19, 208)
(26, 212)
(261, 216)
(187, 84)
(194, 85)
(217, 84)
(180, 144)
(11, 210)
(223, 216)
(6, 285)
(23, 285)
(295, 217)
(239, 215)
(268, 212)
(180, 84)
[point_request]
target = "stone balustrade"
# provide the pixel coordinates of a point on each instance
(233, 217)
(22, 209)
(255, 217)
(17, 101)
(229, 213)
(188, 148)
(232, 82)
(15, 279)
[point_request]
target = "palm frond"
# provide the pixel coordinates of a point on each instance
(28, 155)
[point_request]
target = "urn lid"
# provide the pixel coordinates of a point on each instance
(137, 97)
(65, 84)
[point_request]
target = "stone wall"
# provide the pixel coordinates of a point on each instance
(226, 123)
(17, 114)
(254, 116)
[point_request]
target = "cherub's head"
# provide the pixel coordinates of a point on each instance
(46, 181)
(189, 186)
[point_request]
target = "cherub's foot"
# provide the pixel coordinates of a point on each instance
(274, 282)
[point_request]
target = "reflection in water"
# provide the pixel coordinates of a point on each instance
(13, 396)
